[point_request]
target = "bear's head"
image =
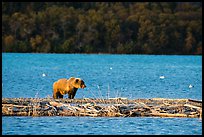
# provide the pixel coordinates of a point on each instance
(78, 83)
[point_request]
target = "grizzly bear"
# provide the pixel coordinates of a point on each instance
(67, 86)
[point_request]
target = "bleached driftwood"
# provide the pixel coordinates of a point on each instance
(159, 107)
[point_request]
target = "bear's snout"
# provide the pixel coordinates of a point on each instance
(83, 86)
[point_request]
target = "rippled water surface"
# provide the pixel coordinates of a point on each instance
(131, 76)
(100, 125)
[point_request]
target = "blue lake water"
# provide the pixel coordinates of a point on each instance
(131, 76)
(100, 126)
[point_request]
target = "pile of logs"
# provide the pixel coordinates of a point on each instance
(114, 107)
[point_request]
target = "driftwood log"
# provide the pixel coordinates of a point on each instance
(114, 107)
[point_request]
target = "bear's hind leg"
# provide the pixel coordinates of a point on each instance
(55, 95)
(60, 95)
(55, 90)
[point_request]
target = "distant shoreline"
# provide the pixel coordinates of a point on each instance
(106, 54)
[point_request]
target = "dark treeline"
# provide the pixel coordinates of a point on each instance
(102, 27)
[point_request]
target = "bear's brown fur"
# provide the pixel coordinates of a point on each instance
(67, 86)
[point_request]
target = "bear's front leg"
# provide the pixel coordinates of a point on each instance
(69, 95)
(74, 92)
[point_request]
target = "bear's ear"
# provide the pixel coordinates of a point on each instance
(77, 80)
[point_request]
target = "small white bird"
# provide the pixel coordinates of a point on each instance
(161, 77)
(43, 75)
(111, 68)
(190, 86)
